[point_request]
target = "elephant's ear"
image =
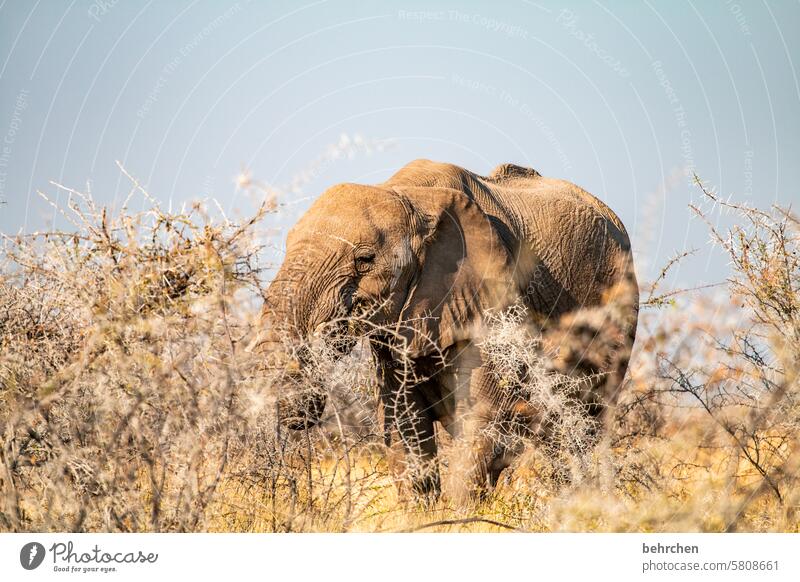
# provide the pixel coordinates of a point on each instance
(463, 270)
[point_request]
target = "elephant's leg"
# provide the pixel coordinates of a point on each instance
(406, 418)
(387, 387)
(487, 443)
(473, 470)
(414, 422)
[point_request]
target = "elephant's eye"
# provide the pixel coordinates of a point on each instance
(364, 262)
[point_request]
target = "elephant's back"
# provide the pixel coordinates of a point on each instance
(548, 202)
(571, 246)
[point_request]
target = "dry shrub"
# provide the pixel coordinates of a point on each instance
(710, 417)
(122, 368)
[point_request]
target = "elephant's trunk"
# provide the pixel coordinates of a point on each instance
(290, 314)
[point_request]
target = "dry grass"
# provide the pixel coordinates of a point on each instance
(131, 398)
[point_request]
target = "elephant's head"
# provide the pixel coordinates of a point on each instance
(413, 265)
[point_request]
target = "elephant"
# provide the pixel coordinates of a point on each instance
(413, 265)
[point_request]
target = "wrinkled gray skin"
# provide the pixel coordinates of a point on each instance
(422, 256)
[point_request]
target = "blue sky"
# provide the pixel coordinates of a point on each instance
(623, 98)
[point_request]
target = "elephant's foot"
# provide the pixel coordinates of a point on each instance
(499, 463)
(427, 487)
(475, 470)
(416, 479)
(468, 478)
